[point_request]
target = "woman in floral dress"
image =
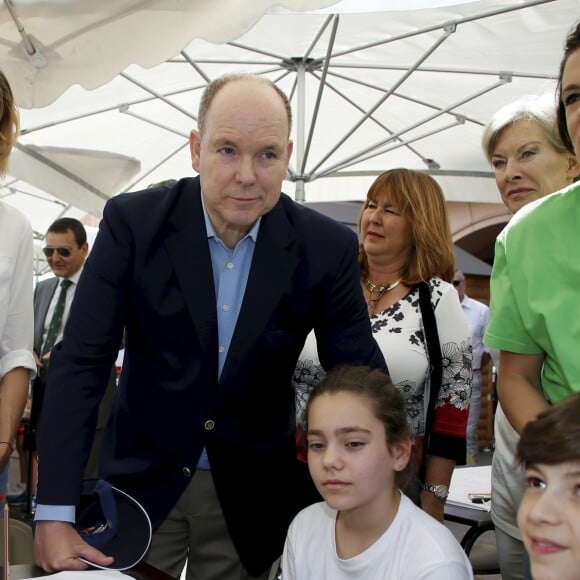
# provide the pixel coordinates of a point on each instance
(405, 240)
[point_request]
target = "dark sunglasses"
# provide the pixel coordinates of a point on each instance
(457, 282)
(64, 252)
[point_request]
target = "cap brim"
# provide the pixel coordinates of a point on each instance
(131, 542)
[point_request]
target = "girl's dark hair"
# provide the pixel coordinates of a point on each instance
(386, 401)
(554, 436)
(571, 44)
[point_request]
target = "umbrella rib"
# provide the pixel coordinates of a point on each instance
(12, 190)
(448, 31)
(372, 117)
(156, 166)
(195, 66)
(319, 94)
(321, 32)
(115, 107)
(354, 159)
(434, 27)
(377, 153)
(400, 96)
(158, 95)
(34, 55)
(459, 71)
(126, 111)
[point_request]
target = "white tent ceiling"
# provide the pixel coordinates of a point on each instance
(369, 91)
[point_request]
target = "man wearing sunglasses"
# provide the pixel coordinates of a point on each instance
(477, 315)
(66, 249)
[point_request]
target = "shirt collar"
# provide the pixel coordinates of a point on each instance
(75, 277)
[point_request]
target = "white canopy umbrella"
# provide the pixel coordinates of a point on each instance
(369, 91)
(46, 47)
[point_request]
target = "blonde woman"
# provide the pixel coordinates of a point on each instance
(17, 364)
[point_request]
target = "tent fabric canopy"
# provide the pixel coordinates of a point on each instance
(369, 91)
(53, 45)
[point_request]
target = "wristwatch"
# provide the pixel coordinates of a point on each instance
(439, 491)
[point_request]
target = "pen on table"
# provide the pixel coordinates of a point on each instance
(480, 499)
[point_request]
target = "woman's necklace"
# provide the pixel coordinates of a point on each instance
(377, 291)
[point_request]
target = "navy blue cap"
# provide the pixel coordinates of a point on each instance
(112, 521)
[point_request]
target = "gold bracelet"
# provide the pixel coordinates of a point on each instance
(9, 445)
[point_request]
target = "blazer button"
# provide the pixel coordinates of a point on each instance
(187, 472)
(209, 425)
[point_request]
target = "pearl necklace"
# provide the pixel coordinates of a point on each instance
(380, 290)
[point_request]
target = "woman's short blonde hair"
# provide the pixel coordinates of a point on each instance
(419, 198)
(8, 122)
(540, 109)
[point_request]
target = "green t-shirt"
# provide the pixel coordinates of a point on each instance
(535, 289)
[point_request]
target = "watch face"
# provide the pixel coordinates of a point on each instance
(439, 491)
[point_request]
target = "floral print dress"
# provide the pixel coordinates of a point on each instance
(399, 333)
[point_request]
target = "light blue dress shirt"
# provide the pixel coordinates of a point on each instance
(230, 276)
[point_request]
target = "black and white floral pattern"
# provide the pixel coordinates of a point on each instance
(399, 332)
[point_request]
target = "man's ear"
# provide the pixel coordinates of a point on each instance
(195, 148)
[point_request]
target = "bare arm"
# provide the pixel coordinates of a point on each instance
(519, 387)
(13, 396)
(439, 471)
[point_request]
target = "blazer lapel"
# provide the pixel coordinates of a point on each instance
(189, 254)
(272, 267)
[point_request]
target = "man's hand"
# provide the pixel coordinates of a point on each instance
(58, 546)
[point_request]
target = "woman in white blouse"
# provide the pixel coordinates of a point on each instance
(17, 364)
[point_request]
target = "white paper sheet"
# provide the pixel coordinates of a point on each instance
(466, 480)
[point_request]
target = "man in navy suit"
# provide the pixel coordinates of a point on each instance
(217, 281)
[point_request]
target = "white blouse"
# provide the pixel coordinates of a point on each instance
(16, 281)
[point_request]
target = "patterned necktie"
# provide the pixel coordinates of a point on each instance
(56, 320)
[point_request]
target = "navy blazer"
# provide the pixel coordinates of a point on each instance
(150, 272)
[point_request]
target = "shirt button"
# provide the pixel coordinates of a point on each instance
(225, 307)
(221, 349)
(229, 266)
(209, 425)
(186, 472)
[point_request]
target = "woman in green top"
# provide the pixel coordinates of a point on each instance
(522, 144)
(535, 301)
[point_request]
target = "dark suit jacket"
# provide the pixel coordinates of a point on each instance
(43, 294)
(150, 272)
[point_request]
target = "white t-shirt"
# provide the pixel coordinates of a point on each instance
(414, 547)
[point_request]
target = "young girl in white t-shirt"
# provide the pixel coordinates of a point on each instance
(359, 445)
